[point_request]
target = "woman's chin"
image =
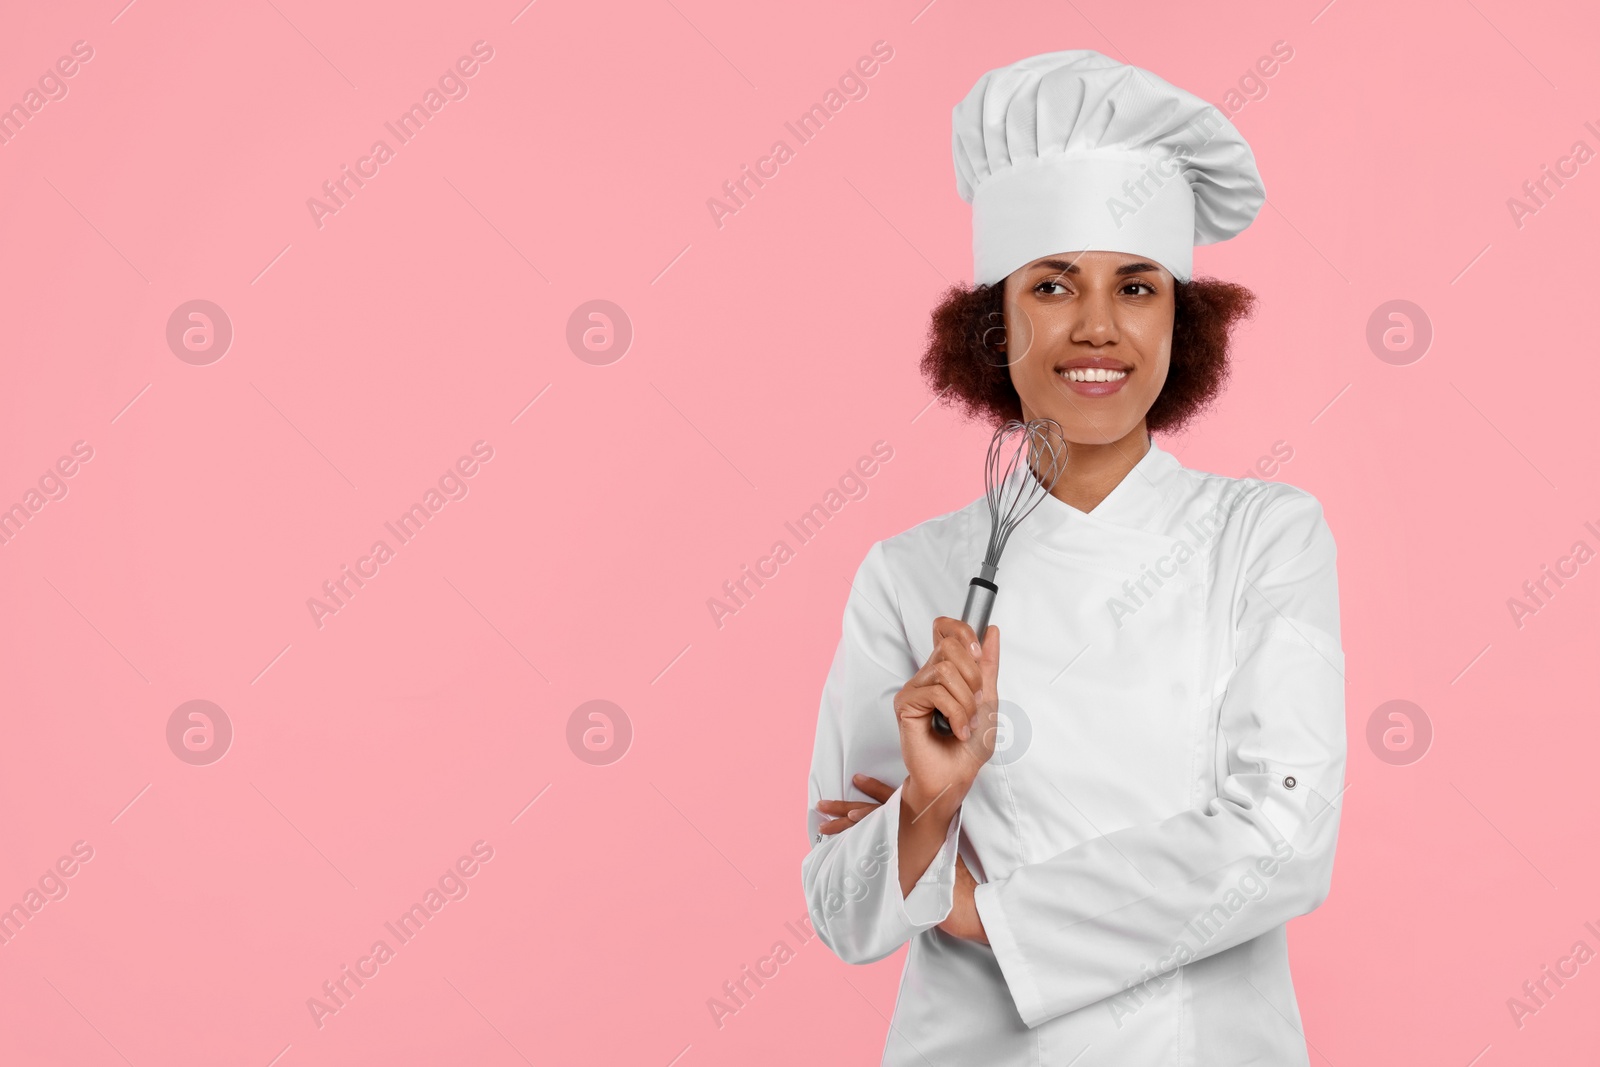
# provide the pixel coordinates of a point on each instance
(1085, 425)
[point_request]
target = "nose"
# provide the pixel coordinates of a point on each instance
(1096, 322)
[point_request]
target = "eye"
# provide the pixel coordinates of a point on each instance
(1141, 285)
(1047, 283)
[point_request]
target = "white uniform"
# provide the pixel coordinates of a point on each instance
(1163, 798)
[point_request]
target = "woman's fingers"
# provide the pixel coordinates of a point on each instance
(841, 809)
(989, 660)
(947, 674)
(951, 668)
(944, 626)
(954, 641)
(847, 813)
(918, 702)
(879, 791)
(989, 664)
(986, 717)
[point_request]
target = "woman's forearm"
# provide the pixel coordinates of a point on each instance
(924, 822)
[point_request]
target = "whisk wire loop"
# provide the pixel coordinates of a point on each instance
(1024, 462)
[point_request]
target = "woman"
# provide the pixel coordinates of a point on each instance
(1142, 789)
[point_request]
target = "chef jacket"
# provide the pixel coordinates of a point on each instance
(1163, 795)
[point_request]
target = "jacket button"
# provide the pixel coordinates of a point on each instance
(1288, 783)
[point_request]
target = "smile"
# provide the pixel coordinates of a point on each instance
(1093, 381)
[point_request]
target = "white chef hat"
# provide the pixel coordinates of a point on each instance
(1072, 151)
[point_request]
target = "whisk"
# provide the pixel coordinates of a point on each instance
(1037, 447)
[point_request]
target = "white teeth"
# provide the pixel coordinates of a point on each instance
(1093, 374)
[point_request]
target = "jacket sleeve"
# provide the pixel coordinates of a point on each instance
(852, 879)
(1093, 921)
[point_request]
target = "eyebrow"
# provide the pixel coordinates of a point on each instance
(1071, 267)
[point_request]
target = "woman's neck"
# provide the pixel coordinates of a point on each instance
(1093, 470)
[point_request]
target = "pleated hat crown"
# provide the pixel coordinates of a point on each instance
(1071, 151)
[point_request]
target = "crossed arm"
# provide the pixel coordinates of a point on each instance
(963, 920)
(1080, 926)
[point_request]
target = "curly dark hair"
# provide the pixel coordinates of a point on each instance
(957, 358)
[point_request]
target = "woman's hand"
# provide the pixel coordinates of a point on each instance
(960, 679)
(963, 920)
(846, 813)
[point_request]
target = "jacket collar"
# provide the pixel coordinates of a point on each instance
(1139, 501)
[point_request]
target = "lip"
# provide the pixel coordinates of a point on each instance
(1094, 388)
(1092, 361)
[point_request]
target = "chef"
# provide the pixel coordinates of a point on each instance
(1143, 787)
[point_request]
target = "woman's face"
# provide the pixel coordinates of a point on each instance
(1089, 315)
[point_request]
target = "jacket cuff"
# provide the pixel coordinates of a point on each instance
(931, 899)
(1008, 953)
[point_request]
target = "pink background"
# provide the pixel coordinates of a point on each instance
(768, 354)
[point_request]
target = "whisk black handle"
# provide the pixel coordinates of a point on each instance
(980, 601)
